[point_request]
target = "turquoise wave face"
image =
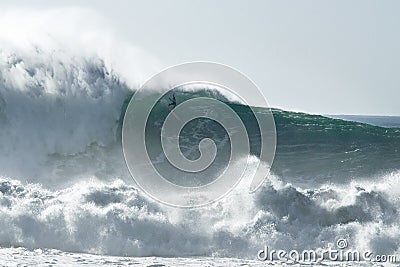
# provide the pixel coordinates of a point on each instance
(315, 149)
(311, 149)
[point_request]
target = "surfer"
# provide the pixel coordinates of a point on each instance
(172, 105)
(172, 102)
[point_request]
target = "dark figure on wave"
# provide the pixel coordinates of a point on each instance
(172, 102)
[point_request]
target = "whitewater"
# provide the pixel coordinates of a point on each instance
(65, 189)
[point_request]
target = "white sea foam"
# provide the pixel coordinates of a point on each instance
(114, 218)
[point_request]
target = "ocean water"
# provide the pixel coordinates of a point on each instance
(65, 188)
(383, 121)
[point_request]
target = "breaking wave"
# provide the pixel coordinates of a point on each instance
(65, 185)
(114, 219)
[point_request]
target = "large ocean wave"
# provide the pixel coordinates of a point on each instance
(65, 185)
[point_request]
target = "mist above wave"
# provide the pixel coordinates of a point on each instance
(52, 103)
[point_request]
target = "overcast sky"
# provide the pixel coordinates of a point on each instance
(329, 57)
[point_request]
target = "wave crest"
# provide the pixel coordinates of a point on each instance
(55, 104)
